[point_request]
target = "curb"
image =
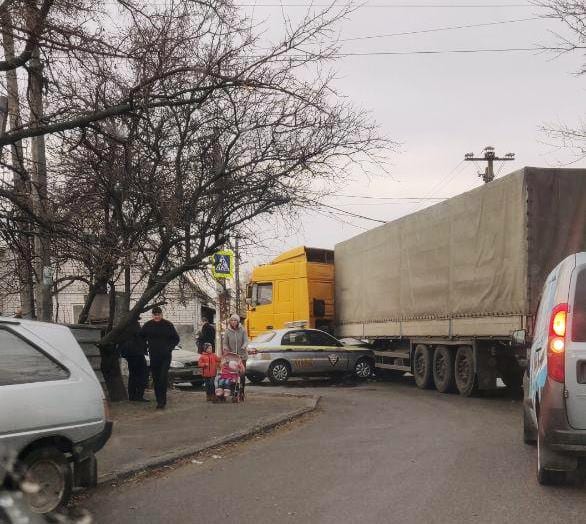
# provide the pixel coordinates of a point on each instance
(173, 456)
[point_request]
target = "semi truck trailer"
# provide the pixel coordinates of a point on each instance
(449, 293)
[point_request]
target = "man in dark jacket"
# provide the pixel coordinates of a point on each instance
(132, 347)
(161, 338)
(207, 335)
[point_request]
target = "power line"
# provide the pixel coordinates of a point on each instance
(351, 214)
(447, 51)
(387, 198)
(438, 29)
(392, 6)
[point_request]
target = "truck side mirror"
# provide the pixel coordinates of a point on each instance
(519, 337)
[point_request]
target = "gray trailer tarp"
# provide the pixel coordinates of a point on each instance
(483, 255)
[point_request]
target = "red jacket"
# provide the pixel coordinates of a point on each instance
(209, 364)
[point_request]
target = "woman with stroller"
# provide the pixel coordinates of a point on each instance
(236, 341)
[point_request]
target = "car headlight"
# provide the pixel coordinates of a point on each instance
(175, 364)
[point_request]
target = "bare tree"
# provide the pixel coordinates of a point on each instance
(572, 13)
(171, 135)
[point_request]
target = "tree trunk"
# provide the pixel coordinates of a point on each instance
(24, 253)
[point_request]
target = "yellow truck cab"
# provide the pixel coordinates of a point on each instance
(296, 286)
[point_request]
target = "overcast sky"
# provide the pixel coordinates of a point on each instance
(440, 106)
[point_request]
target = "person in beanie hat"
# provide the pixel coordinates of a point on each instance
(161, 338)
(236, 341)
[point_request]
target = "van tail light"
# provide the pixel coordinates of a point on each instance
(556, 343)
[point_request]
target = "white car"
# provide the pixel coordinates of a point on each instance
(283, 353)
(555, 382)
(184, 367)
(53, 411)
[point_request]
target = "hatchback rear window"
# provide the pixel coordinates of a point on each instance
(21, 363)
(264, 337)
(579, 314)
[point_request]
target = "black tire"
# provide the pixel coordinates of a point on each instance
(363, 369)
(422, 367)
(443, 370)
(279, 372)
(547, 477)
(464, 373)
(529, 431)
(255, 379)
(49, 468)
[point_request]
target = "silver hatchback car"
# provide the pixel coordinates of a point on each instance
(53, 411)
(283, 353)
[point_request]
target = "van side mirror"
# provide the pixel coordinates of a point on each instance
(519, 337)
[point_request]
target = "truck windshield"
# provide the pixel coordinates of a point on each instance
(264, 337)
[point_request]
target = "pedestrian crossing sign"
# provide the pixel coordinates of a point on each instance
(223, 264)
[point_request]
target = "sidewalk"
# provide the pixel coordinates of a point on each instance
(144, 437)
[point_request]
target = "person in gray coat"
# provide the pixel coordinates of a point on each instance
(235, 340)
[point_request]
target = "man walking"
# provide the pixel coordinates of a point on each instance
(235, 340)
(132, 347)
(161, 338)
(207, 335)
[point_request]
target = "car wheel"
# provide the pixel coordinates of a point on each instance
(49, 469)
(443, 370)
(363, 369)
(255, 379)
(422, 366)
(547, 477)
(465, 375)
(279, 372)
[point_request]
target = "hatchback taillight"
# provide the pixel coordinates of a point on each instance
(556, 343)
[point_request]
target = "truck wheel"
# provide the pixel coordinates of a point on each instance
(443, 370)
(465, 375)
(49, 470)
(279, 372)
(422, 367)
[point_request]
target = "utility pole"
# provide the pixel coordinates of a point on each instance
(237, 275)
(39, 191)
(489, 157)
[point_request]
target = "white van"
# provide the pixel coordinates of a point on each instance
(52, 410)
(555, 382)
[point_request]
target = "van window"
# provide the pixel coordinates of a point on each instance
(21, 363)
(579, 309)
(264, 294)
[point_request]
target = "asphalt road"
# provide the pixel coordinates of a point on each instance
(375, 453)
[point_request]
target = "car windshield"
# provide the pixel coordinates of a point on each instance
(264, 337)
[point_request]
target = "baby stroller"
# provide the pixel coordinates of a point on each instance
(228, 381)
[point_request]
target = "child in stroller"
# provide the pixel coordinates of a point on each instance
(231, 369)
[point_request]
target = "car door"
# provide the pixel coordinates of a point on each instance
(576, 347)
(297, 352)
(330, 356)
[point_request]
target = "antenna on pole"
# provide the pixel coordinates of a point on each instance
(489, 157)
